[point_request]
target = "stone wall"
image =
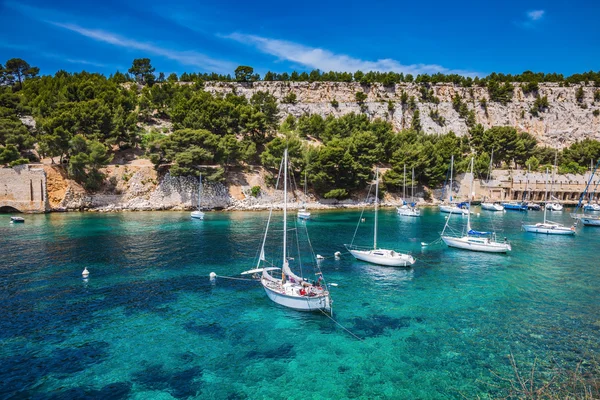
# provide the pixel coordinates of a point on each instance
(564, 122)
(24, 188)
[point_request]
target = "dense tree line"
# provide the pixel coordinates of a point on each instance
(83, 119)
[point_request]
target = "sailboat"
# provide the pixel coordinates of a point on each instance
(198, 214)
(530, 205)
(549, 227)
(409, 210)
(475, 240)
(287, 288)
(486, 205)
(587, 219)
(303, 213)
(553, 206)
(375, 255)
(450, 207)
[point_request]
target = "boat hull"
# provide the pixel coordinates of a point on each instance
(514, 207)
(481, 245)
(590, 221)
(303, 215)
(197, 215)
(300, 303)
(549, 229)
(454, 210)
(492, 207)
(408, 211)
(380, 257)
(554, 207)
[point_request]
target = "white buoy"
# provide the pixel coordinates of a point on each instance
(320, 257)
(212, 276)
(85, 273)
(333, 284)
(423, 244)
(478, 214)
(337, 255)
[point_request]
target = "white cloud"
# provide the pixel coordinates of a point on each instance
(326, 60)
(535, 15)
(192, 58)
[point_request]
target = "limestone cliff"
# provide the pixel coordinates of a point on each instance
(564, 122)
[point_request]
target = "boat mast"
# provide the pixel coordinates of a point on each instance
(451, 168)
(412, 186)
(376, 201)
(490, 174)
(470, 191)
(404, 187)
(199, 190)
(527, 184)
(546, 195)
(285, 261)
(553, 171)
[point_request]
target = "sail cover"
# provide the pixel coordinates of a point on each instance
(478, 233)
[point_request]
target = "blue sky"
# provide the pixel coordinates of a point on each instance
(469, 37)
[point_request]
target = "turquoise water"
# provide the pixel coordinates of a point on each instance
(149, 324)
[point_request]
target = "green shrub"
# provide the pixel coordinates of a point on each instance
(338, 194)
(255, 191)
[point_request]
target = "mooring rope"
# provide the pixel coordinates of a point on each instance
(342, 326)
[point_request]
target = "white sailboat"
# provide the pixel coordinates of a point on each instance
(554, 206)
(385, 257)
(488, 205)
(474, 240)
(450, 207)
(303, 213)
(549, 227)
(587, 219)
(409, 209)
(198, 214)
(287, 288)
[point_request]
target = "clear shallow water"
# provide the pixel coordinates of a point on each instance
(149, 324)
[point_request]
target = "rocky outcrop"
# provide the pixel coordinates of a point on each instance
(564, 122)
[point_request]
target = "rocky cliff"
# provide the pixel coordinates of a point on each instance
(564, 122)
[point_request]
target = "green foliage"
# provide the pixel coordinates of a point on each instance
(415, 124)
(334, 103)
(580, 94)
(244, 73)
(501, 93)
(597, 95)
(255, 191)
(596, 113)
(87, 157)
(532, 163)
(360, 97)
(437, 118)
(463, 110)
(530, 87)
(391, 106)
(427, 95)
(338, 194)
(143, 71)
(8, 154)
(540, 105)
(17, 70)
(290, 98)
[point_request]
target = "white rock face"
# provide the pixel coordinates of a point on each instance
(565, 121)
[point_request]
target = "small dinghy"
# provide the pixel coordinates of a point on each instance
(17, 220)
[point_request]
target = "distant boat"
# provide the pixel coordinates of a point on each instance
(287, 288)
(488, 205)
(376, 255)
(549, 227)
(515, 206)
(592, 207)
(533, 206)
(198, 214)
(17, 220)
(587, 219)
(554, 206)
(409, 209)
(303, 213)
(450, 206)
(475, 240)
